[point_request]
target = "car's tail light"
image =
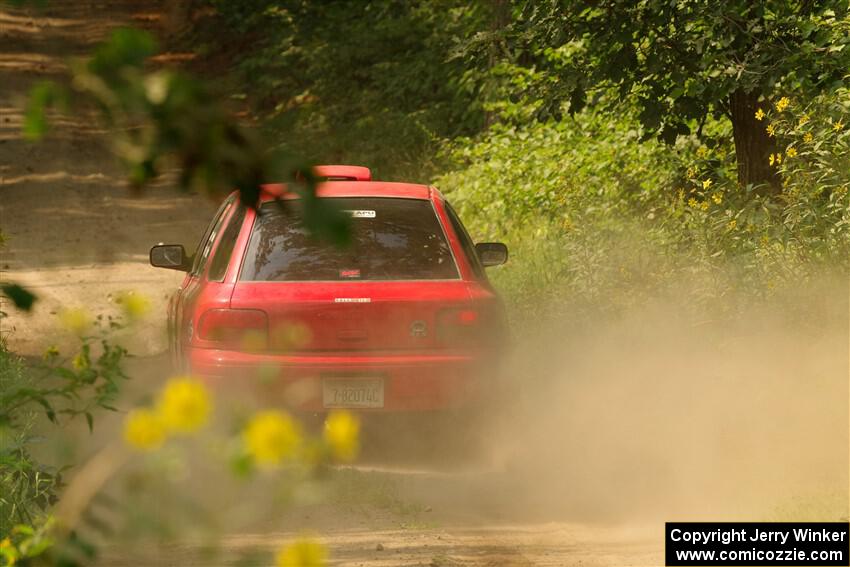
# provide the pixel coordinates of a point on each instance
(242, 329)
(464, 326)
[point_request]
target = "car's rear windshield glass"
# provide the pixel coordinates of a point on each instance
(391, 239)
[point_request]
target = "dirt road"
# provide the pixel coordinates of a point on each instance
(77, 238)
(74, 233)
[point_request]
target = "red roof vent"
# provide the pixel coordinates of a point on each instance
(342, 172)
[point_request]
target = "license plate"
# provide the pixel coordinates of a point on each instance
(353, 392)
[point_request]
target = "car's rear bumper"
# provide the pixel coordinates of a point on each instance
(411, 381)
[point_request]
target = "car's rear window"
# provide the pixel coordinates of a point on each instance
(392, 239)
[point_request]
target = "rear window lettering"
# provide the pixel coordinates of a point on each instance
(402, 240)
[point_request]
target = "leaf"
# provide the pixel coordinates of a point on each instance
(22, 298)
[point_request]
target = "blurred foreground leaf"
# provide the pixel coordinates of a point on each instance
(20, 296)
(161, 117)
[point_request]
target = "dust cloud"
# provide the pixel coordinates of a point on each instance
(667, 412)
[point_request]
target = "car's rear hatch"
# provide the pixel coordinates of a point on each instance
(349, 316)
(393, 287)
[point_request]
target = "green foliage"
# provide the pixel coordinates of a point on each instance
(166, 116)
(681, 60)
(61, 389)
(361, 83)
(598, 220)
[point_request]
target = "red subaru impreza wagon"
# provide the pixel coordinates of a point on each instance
(401, 319)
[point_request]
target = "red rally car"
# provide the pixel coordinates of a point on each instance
(402, 319)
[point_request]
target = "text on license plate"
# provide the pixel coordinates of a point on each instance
(353, 392)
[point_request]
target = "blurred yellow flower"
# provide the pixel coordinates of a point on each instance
(771, 131)
(838, 125)
(804, 119)
(184, 405)
(704, 205)
(791, 152)
(717, 198)
(778, 158)
(783, 104)
(135, 305)
(707, 183)
(5, 543)
(80, 362)
(692, 202)
(76, 320)
(302, 553)
(807, 137)
(50, 353)
(702, 151)
(732, 224)
(144, 430)
(759, 114)
(292, 335)
(271, 436)
(342, 434)
(775, 159)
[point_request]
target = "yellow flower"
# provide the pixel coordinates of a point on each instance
(791, 152)
(342, 433)
(80, 362)
(771, 131)
(707, 183)
(302, 553)
(692, 202)
(691, 173)
(5, 543)
(704, 205)
(271, 436)
(184, 405)
(783, 104)
(135, 305)
(759, 114)
(292, 335)
(731, 224)
(702, 151)
(807, 137)
(838, 125)
(717, 198)
(804, 119)
(144, 430)
(778, 158)
(51, 353)
(76, 320)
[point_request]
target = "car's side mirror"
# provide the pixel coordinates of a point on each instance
(170, 256)
(492, 253)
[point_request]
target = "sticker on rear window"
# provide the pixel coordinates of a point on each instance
(349, 273)
(361, 214)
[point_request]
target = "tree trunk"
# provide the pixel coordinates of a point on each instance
(753, 145)
(500, 18)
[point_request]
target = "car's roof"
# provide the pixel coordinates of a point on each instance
(352, 189)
